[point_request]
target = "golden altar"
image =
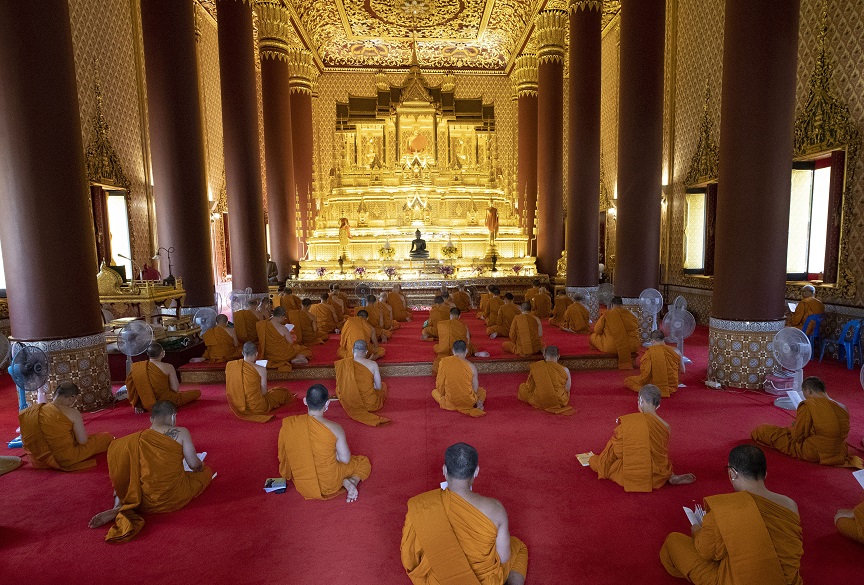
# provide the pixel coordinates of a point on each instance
(138, 298)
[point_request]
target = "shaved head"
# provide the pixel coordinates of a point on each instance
(279, 312)
(455, 312)
(317, 396)
(363, 314)
(657, 335)
(749, 461)
(360, 347)
(162, 412)
(67, 390)
(650, 394)
(526, 307)
(551, 351)
(461, 461)
(460, 347)
(250, 349)
(221, 319)
(154, 351)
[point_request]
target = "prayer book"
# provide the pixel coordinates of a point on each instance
(584, 457)
(201, 456)
(262, 363)
(695, 515)
(792, 306)
(796, 398)
(275, 485)
(859, 475)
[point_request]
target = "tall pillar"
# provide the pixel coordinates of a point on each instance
(525, 80)
(177, 145)
(47, 233)
(303, 70)
(640, 146)
(242, 150)
(760, 51)
(551, 27)
(274, 28)
(583, 164)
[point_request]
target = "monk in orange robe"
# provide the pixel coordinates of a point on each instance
(314, 454)
(461, 299)
(455, 535)
(154, 380)
(375, 318)
(541, 304)
(326, 316)
(276, 345)
(357, 329)
(289, 301)
(456, 385)
(245, 321)
(750, 536)
(146, 469)
(337, 293)
(246, 388)
(637, 455)
(485, 297)
(532, 292)
(809, 305)
(819, 432)
(359, 387)
(492, 307)
(617, 331)
(389, 323)
(562, 302)
(54, 436)
(439, 312)
(850, 523)
(449, 332)
(398, 303)
(526, 334)
(548, 385)
(576, 318)
(221, 342)
(500, 324)
(338, 305)
(306, 325)
(659, 365)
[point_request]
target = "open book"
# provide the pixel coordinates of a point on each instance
(584, 457)
(695, 515)
(275, 485)
(201, 456)
(859, 475)
(262, 363)
(796, 398)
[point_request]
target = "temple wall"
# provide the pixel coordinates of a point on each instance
(609, 81)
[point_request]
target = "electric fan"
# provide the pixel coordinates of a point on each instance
(792, 350)
(678, 325)
(651, 301)
(29, 371)
(133, 340)
(605, 292)
(205, 318)
(679, 303)
(362, 291)
(5, 351)
(238, 299)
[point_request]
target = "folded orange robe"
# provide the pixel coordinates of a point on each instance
(461, 300)
(355, 387)
(562, 303)
(307, 456)
(503, 320)
(617, 331)
(146, 469)
(744, 539)
(397, 303)
(356, 329)
(449, 332)
(437, 314)
(576, 318)
(659, 365)
(546, 388)
(49, 440)
(807, 307)
(818, 434)
(290, 302)
(326, 316)
(243, 388)
(541, 306)
(447, 541)
(390, 323)
(637, 455)
(147, 384)
(853, 527)
(220, 346)
(454, 387)
(244, 326)
(524, 336)
(484, 303)
(304, 330)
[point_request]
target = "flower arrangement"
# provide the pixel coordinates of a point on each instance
(478, 269)
(447, 270)
(390, 271)
(449, 251)
(387, 252)
(320, 271)
(517, 268)
(359, 271)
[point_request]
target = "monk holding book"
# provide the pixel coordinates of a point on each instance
(359, 387)
(221, 342)
(246, 388)
(659, 365)
(306, 325)
(548, 385)
(327, 318)
(276, 344)
(456, 385)
(154, 380)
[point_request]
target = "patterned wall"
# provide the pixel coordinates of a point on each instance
(609, 81)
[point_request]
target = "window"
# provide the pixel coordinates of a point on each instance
(699, 211)
(118, 230)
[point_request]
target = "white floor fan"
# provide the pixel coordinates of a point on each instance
(651, 301)
(792, 351)
(678, 325)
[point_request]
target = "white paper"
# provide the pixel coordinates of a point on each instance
(695, 515)
(201, 457)
(796, 397)
(792, 306)
(859, 475)
(443, 485)
(262, 363)
(289, 327)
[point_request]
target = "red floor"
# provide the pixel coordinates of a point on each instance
(578, 529)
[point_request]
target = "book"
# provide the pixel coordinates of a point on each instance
(201, 457)
(584, 457)
(695, 515)
(796, 398)
(262, 363)
(275, 485)
(443, 485)
(859, 475)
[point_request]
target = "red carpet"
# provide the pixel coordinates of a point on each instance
(578, 529)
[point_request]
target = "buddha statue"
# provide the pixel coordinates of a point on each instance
(418, 247)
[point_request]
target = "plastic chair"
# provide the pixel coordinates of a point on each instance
(817, 327)
(845, 342)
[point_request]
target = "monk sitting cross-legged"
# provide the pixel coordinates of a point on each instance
(337, 303)
(532, 292)
(617, 331)
(276, 345)
(337, 293)
(455, 535)
(246, 388)
(461, 299)
(376, 319)
(485, 297)
(398, 303)
(356, 329)
(548, 385)
(221, 342)
(359, 387)
(499, 324)
(314, 454)
(562, 303)
(492, 307)
(289, 301)
(305, 325)
(637, 455)
(439, 312)
(576, 318)
(819, 432)
(659, 365)
(752, 536)
(850, 523)
(541, 304)
(390, 324)
(246, 320)
(54, 435)
(154, 380)
(526, 334)
(449, 332)
(146, 469)
(456, 385)
(325, 314)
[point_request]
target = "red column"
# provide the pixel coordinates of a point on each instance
(525, 80)
(177, 145)
(640, 146)
(302, 71)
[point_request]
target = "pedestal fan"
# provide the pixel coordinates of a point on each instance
(792, 350)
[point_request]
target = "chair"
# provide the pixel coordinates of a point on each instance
(817, 327)
(845, 343)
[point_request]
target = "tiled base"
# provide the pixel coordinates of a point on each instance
(740, 353)
(646, 321)
(589, 299)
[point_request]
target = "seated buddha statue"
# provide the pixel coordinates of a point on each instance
(418, 247)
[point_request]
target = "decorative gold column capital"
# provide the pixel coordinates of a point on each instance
(524, 75)
(586, 5)
(275, 29)
(551, 29)
(302, 68)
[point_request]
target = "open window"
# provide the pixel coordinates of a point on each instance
(700, 205)
(110, 209)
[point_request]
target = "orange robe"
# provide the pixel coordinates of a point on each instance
(437, 314)
(546, 388)
(290, 302)
(338, 306)
(484, 302)
(146, 469)
(244, 326)
(355, 329)
(637, 455)
(397, 303)
(531, 293)
(562, 303)
(461, 300)
(576, 318)
(504, 320)
(447, 540)
(307, 456)
(617, 331)
(492, 307)
(327, 318)
(659, 365)
(278, 351)
(346, 304)
(147, 384)
(541, 305)
(50, 443)
(818, 434)
(376, 320)
(390, 324)
(807, 307)
(744, 539)
(220, 346)
(303, 329)
(355, 387)
(853, 527)
(243, 388)
(449, 332)
(454, 387)
(524, 336)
